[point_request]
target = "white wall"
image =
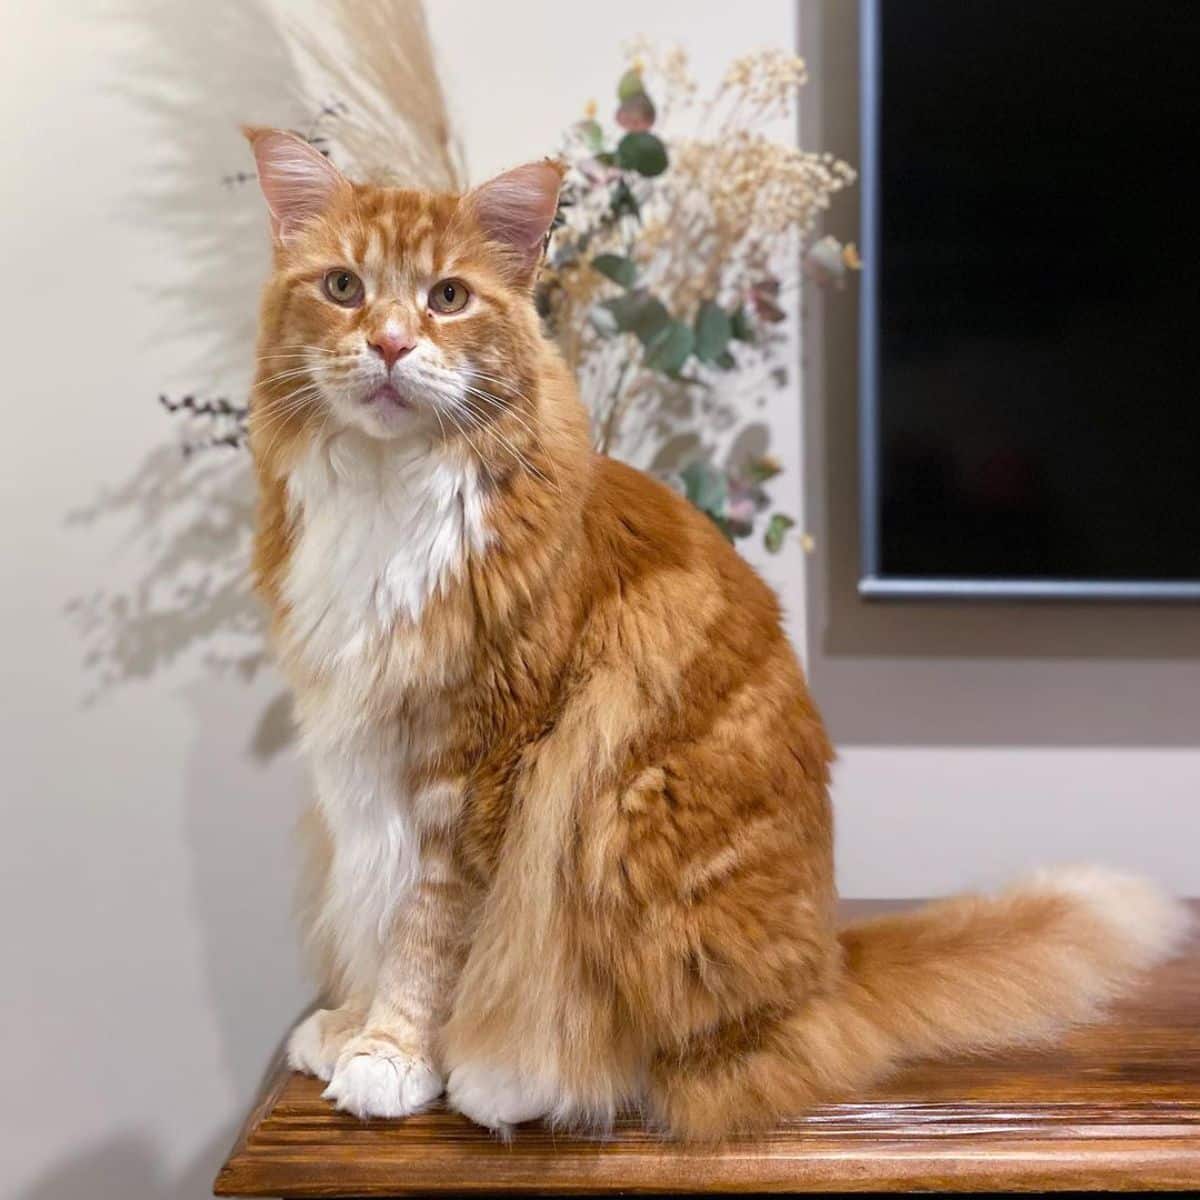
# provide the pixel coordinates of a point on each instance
(977, 740)
(145, 861)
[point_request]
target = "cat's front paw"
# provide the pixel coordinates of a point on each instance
(496, 1097)
(316, 1043)
(376, 1077)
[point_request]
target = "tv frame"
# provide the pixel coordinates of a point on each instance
(873, 584)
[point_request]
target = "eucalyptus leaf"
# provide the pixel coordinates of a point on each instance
(713, 331)
(642, 152)
(623, 202)
(705, 487)
(637, 113)
(669, 349)
(616, 267)
(739, 324)
(777, 528)
(630, 85)
(592, 134)
(650, 319)
(726, 361)
(638, 312)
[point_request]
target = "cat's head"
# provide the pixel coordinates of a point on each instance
(396, 312)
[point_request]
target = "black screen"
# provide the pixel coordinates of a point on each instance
(1038, 317)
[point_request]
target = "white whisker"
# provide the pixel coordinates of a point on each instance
(486, 426)
(507, 410)
(504, 383)
(278, 413)
(478, 455)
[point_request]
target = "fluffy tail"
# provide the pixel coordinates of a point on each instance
(966, 974)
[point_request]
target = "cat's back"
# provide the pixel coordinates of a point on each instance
(675, 604)
(722, 817)
(648, 541)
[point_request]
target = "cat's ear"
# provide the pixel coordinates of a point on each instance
(517, 208)
(298, 182)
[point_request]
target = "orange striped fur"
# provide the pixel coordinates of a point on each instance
(572, 848)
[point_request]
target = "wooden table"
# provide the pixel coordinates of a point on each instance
(1114, 1107)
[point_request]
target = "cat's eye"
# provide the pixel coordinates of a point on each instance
(449, 296)
(343, 287)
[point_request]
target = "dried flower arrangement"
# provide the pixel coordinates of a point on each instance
(669, 258)
(672, 253)
(668, 282)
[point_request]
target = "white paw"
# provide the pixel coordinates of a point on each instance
(317, 1041)
(375, 1078)
(496, 1098)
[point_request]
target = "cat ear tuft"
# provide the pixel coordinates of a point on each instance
(298, 182)
(517, 208)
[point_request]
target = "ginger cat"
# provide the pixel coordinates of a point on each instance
(572, 839)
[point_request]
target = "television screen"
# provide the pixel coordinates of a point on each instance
(1031, 297)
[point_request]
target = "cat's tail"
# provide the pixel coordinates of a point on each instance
(966, 974)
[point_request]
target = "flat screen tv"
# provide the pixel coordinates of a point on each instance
(1030, 354)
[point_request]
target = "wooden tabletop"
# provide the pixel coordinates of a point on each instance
(1114, 1107)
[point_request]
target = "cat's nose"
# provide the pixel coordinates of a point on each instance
(391, 345)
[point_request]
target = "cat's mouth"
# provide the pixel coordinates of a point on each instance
(386, 395)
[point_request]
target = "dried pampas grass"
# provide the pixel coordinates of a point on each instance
(393, 126)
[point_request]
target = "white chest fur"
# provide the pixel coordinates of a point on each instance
(381, 527)
(379, 530)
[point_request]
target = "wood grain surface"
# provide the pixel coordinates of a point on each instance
(1113, 1107)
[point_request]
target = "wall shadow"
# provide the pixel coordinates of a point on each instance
(195, 73)
(191, 74)
(190, 521)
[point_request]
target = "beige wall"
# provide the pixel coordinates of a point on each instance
(977, 739)
(149, 962)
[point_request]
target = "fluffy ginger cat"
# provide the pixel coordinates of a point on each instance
(572, 845)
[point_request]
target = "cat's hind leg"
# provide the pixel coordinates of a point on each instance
(499, 1097)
